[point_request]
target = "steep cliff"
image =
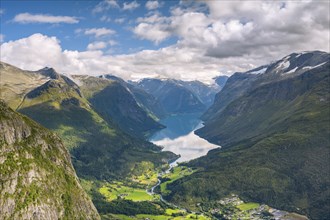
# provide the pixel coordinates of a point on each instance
(37, 180)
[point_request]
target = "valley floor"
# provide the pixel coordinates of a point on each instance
(132, 199)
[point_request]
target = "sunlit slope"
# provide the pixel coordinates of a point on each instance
(99, 148)
(14, 90)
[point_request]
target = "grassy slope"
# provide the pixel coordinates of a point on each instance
(280, 152)
(13, 90)
(99, 149)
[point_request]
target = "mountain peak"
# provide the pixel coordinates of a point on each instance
(293, 63)
(49, 72)
(298, 63)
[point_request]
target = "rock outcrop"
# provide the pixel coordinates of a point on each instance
(37, 180)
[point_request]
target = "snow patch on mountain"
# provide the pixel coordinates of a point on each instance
(302, 53)
(261, 71)
(284, 64)
(291, 71)
(312, 67)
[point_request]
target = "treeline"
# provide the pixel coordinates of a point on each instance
(127, 207)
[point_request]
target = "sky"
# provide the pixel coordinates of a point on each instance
(188, 40)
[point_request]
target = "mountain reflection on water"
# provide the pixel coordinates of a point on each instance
(179, 137)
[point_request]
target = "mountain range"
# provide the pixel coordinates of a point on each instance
(178, 97)
(84, 125)
(273, 124)
(100, 150)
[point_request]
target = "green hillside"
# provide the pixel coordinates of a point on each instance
(101, 152)
(115, 104)
(99, 148)
(276, 148)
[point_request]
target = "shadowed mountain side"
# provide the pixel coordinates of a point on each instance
(173, 95)
(276, 145)
(115, 103)
(90, 137)
(145, 100)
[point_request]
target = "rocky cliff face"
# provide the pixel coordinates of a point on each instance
(37, 180)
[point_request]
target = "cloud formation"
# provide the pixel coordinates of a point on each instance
(112, 42)
(25, 18)
(120, 20)
(2, 38)
(130, 6)
(105, 5)
(96, 45)
(172, 62)
(97, 32)
(250, 28)
(213, 38)
(152, 5)
(153, 32)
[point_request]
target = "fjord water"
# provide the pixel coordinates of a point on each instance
(179, 137)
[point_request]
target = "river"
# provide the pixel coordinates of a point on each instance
(179, 137)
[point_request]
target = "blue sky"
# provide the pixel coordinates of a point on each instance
(83, 12)
(188, 40)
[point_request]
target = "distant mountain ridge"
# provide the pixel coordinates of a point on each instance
(221, 81)
(178, 96)
(146, 100)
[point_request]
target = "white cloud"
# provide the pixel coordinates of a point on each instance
(105, 18)
(210, 42)
(98, 32)
(156, 33)
(43, 18)
(112, 42)
(120, 20)
(249, 28)
(2, 38)
(105, 5)
(130, 6)
(173, 62)
(40, 49)
(151, 5)
(97, 45)
(2, 11)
